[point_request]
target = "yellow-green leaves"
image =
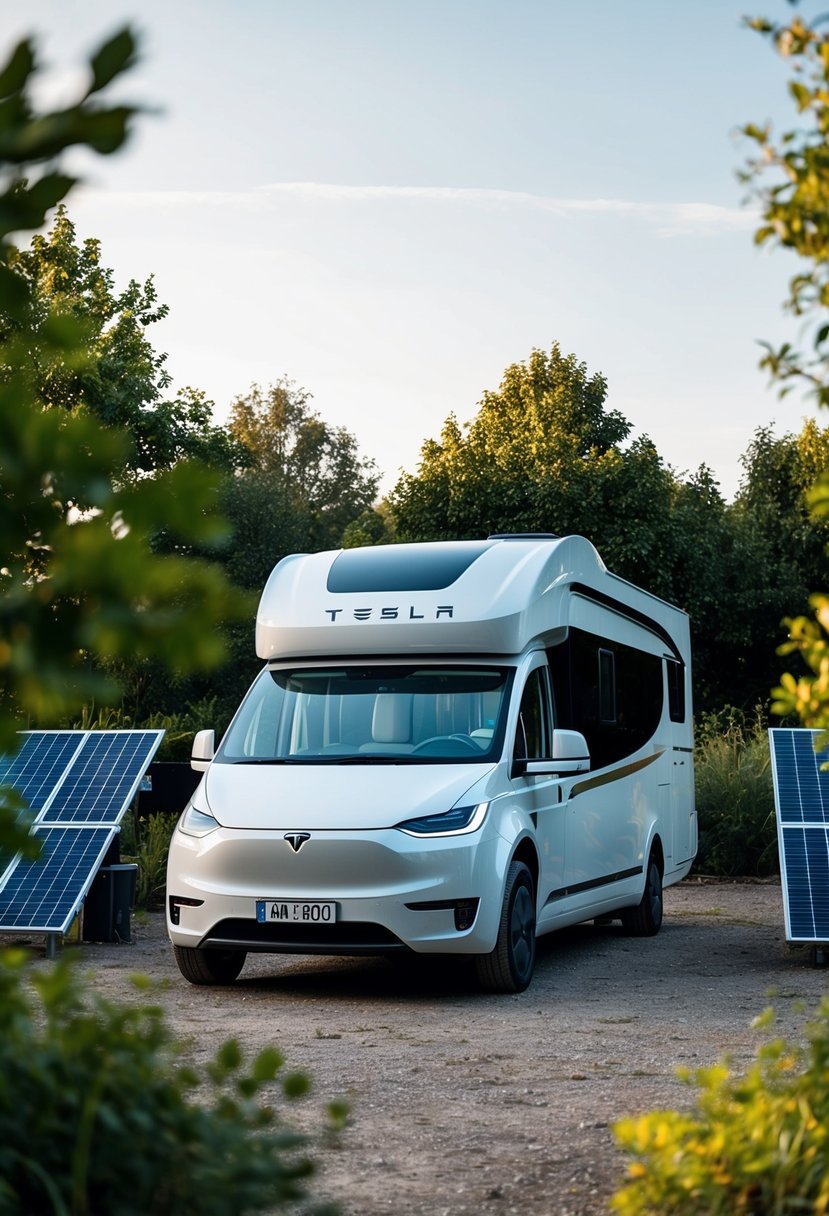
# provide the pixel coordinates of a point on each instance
(790, 180)
(757, 1143)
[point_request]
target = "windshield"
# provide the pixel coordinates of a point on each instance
(370, 714)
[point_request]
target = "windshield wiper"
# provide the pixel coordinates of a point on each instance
(268, 760)
(368, 758)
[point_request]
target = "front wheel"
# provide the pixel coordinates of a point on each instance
(209, 966)
(509, 967)
(646, 918)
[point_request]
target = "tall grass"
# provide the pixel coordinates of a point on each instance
(146, 840)
(178, 728)
(735, 797)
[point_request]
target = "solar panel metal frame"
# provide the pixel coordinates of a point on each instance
(801, 799)
(96, 749)
(24, 770)
(90, 838)
(41, 883)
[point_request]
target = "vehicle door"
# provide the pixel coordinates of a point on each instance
(541, 795)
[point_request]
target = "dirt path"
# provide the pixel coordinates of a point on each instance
(465, 1104)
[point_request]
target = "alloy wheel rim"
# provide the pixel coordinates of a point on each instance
(523, 932)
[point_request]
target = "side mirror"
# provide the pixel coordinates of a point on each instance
(571, 746)
(570, 755)
(204, 745)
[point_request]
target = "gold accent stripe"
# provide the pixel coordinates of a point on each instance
(616, 774)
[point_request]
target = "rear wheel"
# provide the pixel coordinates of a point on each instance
(646, 918)
(209, 966)
(509, 967)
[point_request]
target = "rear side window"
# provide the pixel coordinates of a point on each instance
(676, 690)
(611, 692)
(607, 687)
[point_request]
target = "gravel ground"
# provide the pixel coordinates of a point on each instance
(466, 1104)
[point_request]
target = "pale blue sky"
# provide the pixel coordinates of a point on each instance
(389, 201)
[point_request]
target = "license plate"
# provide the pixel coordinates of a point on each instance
(295, 912)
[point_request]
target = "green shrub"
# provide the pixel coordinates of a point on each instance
(98, 1114)
(179, 728)
(145, 840)
(756, 1145)
(735, 798)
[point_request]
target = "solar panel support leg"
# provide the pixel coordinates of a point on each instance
(53, 941)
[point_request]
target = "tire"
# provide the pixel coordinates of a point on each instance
(209, 966)
(646, 918)
(509, 967)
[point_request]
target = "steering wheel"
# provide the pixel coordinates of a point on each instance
(442, 740)
(467, 739)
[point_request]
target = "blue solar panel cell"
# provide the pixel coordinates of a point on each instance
(104, 777)
(37, 769)
(80, 784)
(43, 895)
(802, 788)
(806, 854)
(801, 794)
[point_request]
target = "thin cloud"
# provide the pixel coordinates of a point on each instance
(670, 219)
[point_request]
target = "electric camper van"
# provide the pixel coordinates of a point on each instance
(451, 749)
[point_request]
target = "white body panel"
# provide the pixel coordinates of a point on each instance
(383, 682)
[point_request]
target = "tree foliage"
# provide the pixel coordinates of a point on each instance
(756, 1143)
(79, 577)
(302, 483)
(98, 1112)
(95, 1113)
(790, 179)
(544, 454)
(116, 375)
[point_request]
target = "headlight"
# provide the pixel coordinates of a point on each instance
(457, 822)
(196, 823)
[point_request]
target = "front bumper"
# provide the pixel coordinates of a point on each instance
(393, 892)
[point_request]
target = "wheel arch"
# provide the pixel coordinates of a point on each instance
(525, 851)
(658, 853)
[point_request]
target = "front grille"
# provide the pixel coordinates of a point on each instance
(346, 937)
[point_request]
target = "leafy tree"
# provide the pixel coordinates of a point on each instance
(715, 570)
(79, 1078)
(790, 179)
(79, 577)
(303, 482)
(371, 527)
(121, 380)
(543, 455)
(779, 473)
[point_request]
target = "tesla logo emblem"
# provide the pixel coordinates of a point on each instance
(297, 839)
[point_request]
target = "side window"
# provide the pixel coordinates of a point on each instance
(532, 737)
(607, 687)
(611, 692)
(676, 690)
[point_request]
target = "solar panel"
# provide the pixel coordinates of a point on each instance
(36, 770)
(103, 777)
(80, 784)
(43, 895)
(801, 796)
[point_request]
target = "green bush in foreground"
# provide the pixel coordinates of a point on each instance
(98, 1116)
(756, 1145)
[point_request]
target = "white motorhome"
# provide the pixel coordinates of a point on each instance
(451, 749)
